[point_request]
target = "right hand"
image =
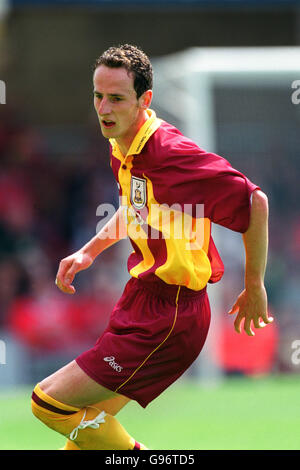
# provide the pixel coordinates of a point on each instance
(68, 268)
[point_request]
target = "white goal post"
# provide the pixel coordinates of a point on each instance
(184, 87)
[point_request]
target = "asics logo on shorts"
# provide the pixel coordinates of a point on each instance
(112, 363)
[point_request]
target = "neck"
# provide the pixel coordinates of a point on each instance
(125, 142)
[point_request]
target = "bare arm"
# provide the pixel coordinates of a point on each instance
(256, 241)
(252, 304)
(111, 233)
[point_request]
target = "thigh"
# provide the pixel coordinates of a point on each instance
(149, 342)
(72, 386)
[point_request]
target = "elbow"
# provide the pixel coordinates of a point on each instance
(260, 201)
(259, 212)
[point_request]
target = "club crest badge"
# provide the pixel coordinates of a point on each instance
(138, 192)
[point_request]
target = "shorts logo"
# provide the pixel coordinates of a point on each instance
(138, 192)
(112, 363)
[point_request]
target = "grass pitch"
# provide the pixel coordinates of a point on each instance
(239, 414)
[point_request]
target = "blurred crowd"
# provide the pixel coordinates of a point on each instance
(48, 202)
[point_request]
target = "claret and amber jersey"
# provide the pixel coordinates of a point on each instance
(171, 192)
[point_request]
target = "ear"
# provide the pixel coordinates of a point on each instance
(145, 99)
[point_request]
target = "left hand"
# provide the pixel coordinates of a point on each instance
(251, 305)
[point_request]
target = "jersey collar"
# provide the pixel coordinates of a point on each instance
(143, 135)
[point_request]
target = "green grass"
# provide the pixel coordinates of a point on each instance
(240, 413)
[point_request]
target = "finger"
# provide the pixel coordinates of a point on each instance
(233, 309)
(237, 322)
(70, 274)
(262, 324)
(247, 326)
(266, 318)
(60, 283)
(64, 288)
(68, 277)
(68, 290)
(256, 322)
(63, 268)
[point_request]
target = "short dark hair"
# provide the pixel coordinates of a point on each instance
(134, 60)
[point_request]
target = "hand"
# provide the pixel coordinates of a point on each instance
(251, 305)
(68, 268)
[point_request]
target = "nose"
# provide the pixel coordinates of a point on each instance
(103, 106)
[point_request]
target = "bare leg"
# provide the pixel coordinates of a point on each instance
(71, 403)
(72, 386)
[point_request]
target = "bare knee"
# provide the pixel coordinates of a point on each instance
(72, 386)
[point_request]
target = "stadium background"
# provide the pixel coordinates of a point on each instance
(54, 173)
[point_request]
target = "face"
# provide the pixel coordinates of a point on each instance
(119, 111)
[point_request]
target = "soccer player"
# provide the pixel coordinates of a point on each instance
(171, 191)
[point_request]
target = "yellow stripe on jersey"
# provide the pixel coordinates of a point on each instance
(185, 239)
(148, 259)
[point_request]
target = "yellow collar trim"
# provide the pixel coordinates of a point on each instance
(143, 135)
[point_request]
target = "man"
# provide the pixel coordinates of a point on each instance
(160, 324)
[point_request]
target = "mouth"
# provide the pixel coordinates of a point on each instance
(107, 123)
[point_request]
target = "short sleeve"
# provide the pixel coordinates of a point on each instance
(190, 175)
(227, 200)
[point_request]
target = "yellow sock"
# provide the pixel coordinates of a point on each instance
(70, 445)
(88, 428)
